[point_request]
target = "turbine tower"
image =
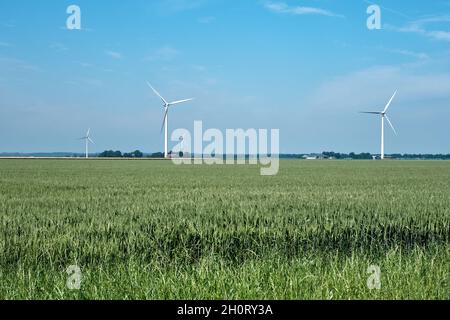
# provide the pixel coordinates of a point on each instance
(383, 115)
(165, 124)
(87, 139)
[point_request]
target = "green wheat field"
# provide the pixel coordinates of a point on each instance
(153, 230)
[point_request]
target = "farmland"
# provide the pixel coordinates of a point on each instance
(153, 230)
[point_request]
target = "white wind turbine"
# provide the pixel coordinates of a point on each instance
(165, 124)
(87, 139)
(383, 115)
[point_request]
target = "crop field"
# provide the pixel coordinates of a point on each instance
(153, 230)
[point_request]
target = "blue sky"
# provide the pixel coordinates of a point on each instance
(304, 67)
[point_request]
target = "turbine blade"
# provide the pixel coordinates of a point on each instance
(180, 101)
(88, 132)
(389, 121)
(164, 119)
(157, 93)
(91, 140)
(370, 112)
(389, 103)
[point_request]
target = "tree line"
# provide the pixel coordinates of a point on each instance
(118, 154)
(324, 155)
(368, 156)
(131, 155)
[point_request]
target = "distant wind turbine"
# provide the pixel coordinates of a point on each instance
(165, 124)
(87, 139)
(383, 115)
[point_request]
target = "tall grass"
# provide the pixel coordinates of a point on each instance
(153, 230)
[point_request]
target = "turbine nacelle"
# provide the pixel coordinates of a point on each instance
(383, 113)
(88, 137)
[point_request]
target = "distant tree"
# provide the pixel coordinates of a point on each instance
(110, 154)
(352, 155)
(105, 154)
(334, 155)
(157, 155)
(134, 154)
(138, 154)
(364, 156)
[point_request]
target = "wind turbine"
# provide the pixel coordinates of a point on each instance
(87, 139)
(165, 124)
(383, 115)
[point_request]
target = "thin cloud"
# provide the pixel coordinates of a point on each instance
(5, 44)
(388, 9)
(439, 35)
(18, 64)
(283, 8)
(86, 64)
(408, 53)
(93, 82)
(7, 25)
(207, 20)
(114, 54)
(165, 53)
(58, 46)
(421, 27)
(369, 84)
(199, 68)
(434, 19)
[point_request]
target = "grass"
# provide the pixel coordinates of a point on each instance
(152, 230)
